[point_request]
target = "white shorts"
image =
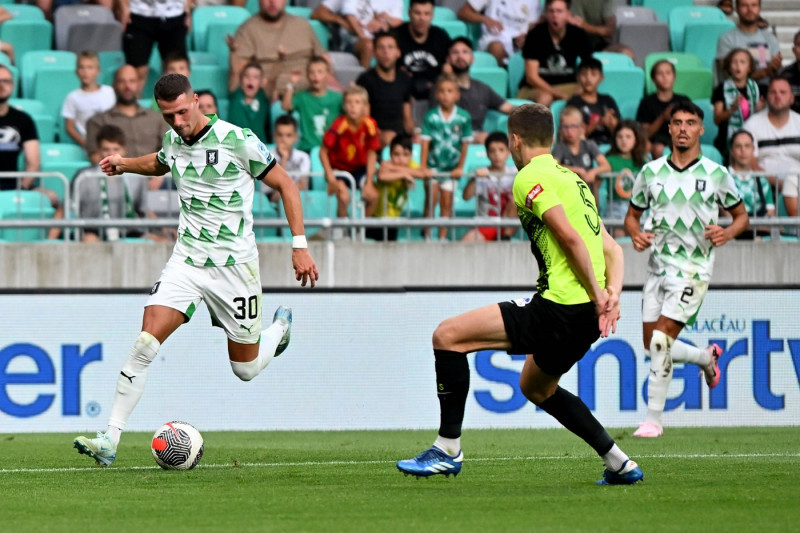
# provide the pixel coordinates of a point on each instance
(232, 294)
(447, 185)
(676, 298)
(503, 38)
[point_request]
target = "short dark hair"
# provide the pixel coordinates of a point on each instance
(206, 92)
(382, 35)
(412, 2)
(658, 64)
(686, 106)
(548, 2)
(741, 132)
(319, 59)
(591, 63)
(110, 133)
(533, 123)
(285, 120)
(170, 86)
(401, 139)
(174, 57)
(495, 137)
(464, 40)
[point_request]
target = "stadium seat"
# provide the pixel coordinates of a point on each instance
(97, 36)
(317, 183)
(692, 78)
(634, 15)
(343, 59)
(61, 157)
(644, 39)
(708, 121)
(663, 7)
(623, 83)
(476, 158)
(44, 121)
(16, 205)
(202, 58)
(299, 11)
(348, 75)
(613, 60)
(322, 33)
(495, 121)
(203, 16)
(701, 39)
(85, 15)
(483, 59)
(32, 62)
(216, 33)
(110, 61)
(263, 208)
(27, 36)
(441, 13)
(495, 77)
(316, 205)
(52, 84)
(454, 28)
(711, 152)
(680, 16)
(24, 12)
(556, 108)
(516, 72)
(211, 77)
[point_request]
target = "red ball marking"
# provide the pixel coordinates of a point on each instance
(159, 444)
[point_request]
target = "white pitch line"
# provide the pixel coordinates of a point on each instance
(358, 463)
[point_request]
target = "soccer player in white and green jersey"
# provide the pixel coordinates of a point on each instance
(577, 300)
(684, 191)
(215, 259)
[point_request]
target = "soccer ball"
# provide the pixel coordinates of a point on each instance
(177, 446)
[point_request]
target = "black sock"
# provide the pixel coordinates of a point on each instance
(576, 417)
(452, 387)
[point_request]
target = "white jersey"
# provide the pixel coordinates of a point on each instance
(215, 179)
(682, 203)
(514, 15)
(493, 192)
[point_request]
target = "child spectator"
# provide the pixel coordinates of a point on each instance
(207, 102)
(446, 133)
(494, 189)
(96, 195)
(395, 178)
(655, 109)
(600, 111)
(626, 157)
(249, 107)
(176, 64)
(318, 106)
(82, 104)
(295, 162)
(736, 98)
(574, 152)
(351, 145)
(755, 191)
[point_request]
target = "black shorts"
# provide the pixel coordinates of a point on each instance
(557, 335)
(142, 32)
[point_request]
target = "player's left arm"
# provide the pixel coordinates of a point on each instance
(304, 267)
(719, 235)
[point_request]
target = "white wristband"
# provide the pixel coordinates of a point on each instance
(299, 242)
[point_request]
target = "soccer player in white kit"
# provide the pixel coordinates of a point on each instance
(215, 259)
(684, 191)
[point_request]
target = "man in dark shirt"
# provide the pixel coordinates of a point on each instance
(17, 134)
(389, 89)
(423, 47)
(550, 51)
(792, 73)
(477, 98)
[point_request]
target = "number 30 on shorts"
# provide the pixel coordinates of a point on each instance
(246, 307)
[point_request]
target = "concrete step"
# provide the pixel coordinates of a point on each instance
(782, 17)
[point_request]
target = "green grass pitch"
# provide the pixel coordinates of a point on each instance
(698, 479)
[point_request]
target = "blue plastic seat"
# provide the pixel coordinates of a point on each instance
(623, 83)
(516, 72)
(203, 16)
(16, 205)
(454, 28)
(210, 77)
(483, 59)
(65, 158)
(495, 77)
(680, 16)
(34, 61)
(701, 39)
(663, 7)
(51, 85)
(711, 129)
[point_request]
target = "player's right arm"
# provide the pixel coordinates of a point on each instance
(147, 165)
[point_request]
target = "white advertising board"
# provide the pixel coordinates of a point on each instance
(364, 361)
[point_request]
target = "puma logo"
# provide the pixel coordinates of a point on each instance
(129, 378)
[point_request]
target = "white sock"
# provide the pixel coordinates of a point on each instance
(115, 433)
(660, 375)
(270, 338)
(132, 378)
(450, 446)
(686, 353)
(615, 458)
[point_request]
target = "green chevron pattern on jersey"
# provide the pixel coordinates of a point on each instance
(215, 180)
(682, 204)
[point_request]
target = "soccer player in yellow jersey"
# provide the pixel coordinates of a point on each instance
(577, 301)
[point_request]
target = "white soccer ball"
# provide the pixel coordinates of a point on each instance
(177, 446)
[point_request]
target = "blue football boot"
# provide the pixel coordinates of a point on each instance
(431, 462)
(629, 474)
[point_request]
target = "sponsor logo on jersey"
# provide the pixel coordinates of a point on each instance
(532, 194)
(700, 185)
(155, 287)
(212, 157)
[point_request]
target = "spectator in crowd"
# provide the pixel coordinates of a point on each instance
(446, 132)
(144, 128)
(600, 111)
(626, 157)
(176, 64)
(776, 131)
(281, 43)
(736, 98)
(598, 18)
(96, 195)
(792, 73)
(493, 187)
(396, 176)
(368, 18)
(477, 98)
(92, 98)
(760, 42)
(551, 51)
(504, 24)
(423, 47)
(249, 105)
(329, 12)
(6, 47)
(574, 152)
(317, 106)
(207, 102)
(351, 144)
(296, 162)
(146, 23)
(389, 90)
(756, 191)
(655, 109)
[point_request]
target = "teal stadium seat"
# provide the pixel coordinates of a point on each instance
(263, 208)
(216, 43)
(628, 108)
(692, 78)
(483, 59)
(210, 77)
(322, 33)
(51, 85)
(613, 59)
(316, 205)
(202, 58)
(204, 16)
(65, 158)
(516, 72)
(109, 63)
(623, 83)
(680, 16)
(32, 62)
(708, 121)
(15, 205)
(556, 108)
(495, 77)
(45, 122)
(663, 7)
(441, 13)
(300, 11)
(454, 28)
(701, 39)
